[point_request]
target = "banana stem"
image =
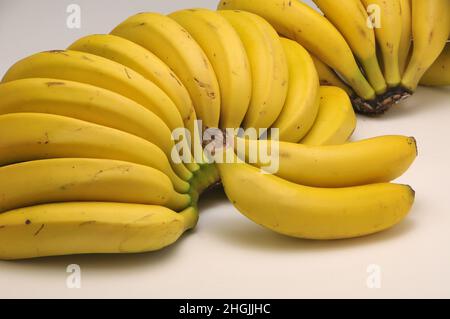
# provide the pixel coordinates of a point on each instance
(206, 177)
(381, 103)
(191, 217)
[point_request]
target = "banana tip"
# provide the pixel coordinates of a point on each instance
(413, 141)
(413, 192)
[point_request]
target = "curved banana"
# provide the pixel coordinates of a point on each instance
(95, 70)
(430, 28)
(143, 62)
(439, 73)
(350, 18)
(92, 104)
(34, 136)
(406, 39)
(90, 228)
(328, 77)
(377, 160)
(227, 54)
(302, 102)
(388, 35)
(80, 179)
(175, 46)
(297, 21)
(314, 213)
(269, 67)
(336, 120)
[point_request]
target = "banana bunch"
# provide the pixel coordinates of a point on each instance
(71, 186)
(88, 162)
(377, 51)
(102, 147)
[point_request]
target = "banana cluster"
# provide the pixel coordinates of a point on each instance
(89, 161)
(377, 51)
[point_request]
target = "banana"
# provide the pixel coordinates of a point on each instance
(91, 69)
(314, 213)
(34, 136)
(80, 179)
(297, 21)
(388, 36)
(268, 63)
(377, 160)
(175, 46)
(336, 120)
(88, 228)
(406, 39)
(439, 73)
(350, 18)
(145, 63)
(92, 104)
(227, 54)
(430, 28)
(302, 102)
(328, 77)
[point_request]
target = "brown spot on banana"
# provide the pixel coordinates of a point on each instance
(66, 186)
(62, 52)
(39, 230)
(140, 219)
(176, 78)
(206, 87)
(84, 57)
(90, 222)
(51, 84)
(45, 141)
(430, 37)
(127, 73)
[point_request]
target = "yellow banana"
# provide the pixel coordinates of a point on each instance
(79, 179)
(92, 104)
(225, 51)
(336, 120)
(175, 46)
(328, 77)
(270, 73)
(297, 21)
(95, 70)
(350, 18)
(430, 28)
(314, 213)
(388, 35)
(145, 63)
(34, 136)
(439, 73)
(90, 228)
(406, 39)
(376, 160)
(302, 102)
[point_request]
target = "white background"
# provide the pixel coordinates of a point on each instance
(228, 256)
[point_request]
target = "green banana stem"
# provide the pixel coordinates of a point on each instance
(207, 176)
(203, 179)
(191, 216)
